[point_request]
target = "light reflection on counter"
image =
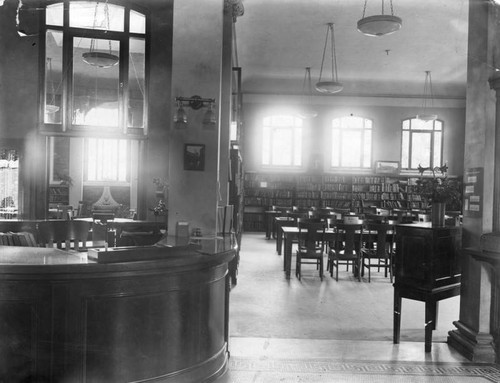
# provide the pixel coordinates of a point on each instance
(207, 245)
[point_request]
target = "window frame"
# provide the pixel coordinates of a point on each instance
(368, 161)
(66, 125)
(432, 133)
(296, 128)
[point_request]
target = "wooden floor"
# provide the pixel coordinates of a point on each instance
(309, 322)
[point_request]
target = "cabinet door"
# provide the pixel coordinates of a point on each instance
(412, 258)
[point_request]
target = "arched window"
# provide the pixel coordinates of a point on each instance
(282, 141)
(94, 69)
(421, 144)
(351, 142)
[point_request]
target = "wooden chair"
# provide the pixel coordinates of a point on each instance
(62, 234)
(311, 248)
(377, 252)
(346, 248)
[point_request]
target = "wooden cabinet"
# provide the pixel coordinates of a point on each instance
(427, 268)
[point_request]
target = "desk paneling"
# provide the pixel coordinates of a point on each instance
(115, 322)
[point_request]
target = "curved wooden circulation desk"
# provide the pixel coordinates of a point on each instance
(162, 317)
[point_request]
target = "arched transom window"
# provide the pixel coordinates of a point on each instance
(351, 142)
(421, 144)
(282, 141)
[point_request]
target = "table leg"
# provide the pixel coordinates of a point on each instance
(287, 258)
(397, 316)
(279, 240)
(430, 317)
(269, 224)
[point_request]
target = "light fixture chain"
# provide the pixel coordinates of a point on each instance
(324, 52)
(392, 8)
(382, 6)
(334, 55)
(364, 9)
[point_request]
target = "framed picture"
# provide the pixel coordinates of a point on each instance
(387, 167)
(194, 157)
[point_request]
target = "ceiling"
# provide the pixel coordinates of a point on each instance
(277, 39)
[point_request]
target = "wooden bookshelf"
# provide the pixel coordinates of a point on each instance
(355, 192)
(59, 195)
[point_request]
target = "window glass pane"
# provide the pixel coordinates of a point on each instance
(107, 160)
(96, 15)
(405, 148)
(137, 22)
(438, 136)
(335, 147)
(281, 152)
(406, 124)
(297, 147)
(351, 149)
(367, 150)
(137, 98)
(353, 123)
(422, 125)
(95, 89)
(9, 183)
(54, 14)
(282, 120)
(420, 150)
(53, 77)
(438, 125)
(266, 144)
(351, 142)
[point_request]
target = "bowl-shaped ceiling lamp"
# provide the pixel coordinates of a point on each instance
(93, 56)
(306, 110)
(379, 25)
(332, 85)
(426, 115)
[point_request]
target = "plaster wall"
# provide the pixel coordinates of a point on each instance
(193, 194)
(386, 131)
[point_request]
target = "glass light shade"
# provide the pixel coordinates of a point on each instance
(50, 109)
(209, 120)
(329, 86)
(180, 116)
(307, 112)
(100, 59)
(379, 25)
(427, 117)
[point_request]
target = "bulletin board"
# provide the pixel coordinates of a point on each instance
(473, 192)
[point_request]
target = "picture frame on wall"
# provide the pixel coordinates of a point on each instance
(194, 157)
(387, 167)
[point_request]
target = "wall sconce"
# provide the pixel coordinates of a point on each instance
(195, 102)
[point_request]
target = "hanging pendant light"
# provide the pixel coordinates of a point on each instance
(51, 107)
(333, 86)
(307, 110)
(425, 115)
(379, 25)
(93, 56)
